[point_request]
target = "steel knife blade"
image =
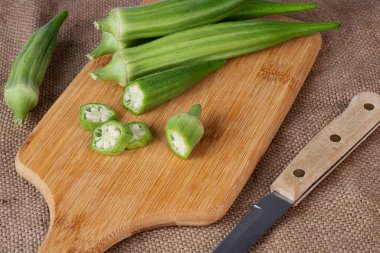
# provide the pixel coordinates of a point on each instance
(313, 163)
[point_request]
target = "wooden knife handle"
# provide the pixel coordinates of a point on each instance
(329, 147)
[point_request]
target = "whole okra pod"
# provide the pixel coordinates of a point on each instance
(22, 89)
(164, 17)
(206, 43)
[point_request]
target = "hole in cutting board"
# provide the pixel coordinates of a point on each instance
(369, 106)
(299, 173)
(335, 138)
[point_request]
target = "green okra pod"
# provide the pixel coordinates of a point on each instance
(151, 91)
(164, 17)
(184, 130)
(206, 43)
(142, 135)
(111, 138)
(22, 89)
(247, 10)
(258, 8)
(94, 114)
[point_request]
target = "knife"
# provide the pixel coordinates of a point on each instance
(314, 162)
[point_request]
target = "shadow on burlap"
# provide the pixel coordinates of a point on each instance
(340, 215)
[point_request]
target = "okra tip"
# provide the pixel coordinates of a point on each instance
(18, 119)
(306, 6)
(21, 100)
(314, 5)
(59, 18)
(327, 26)
(196, 111)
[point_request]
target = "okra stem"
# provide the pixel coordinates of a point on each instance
(108, 45)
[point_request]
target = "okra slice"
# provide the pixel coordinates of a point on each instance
(111, 138)
(184, 130)
(94, 114)
(151, 91)
(142, 135)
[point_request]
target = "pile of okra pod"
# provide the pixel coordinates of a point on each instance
(159, 50)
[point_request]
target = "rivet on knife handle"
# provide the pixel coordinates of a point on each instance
(329, 147)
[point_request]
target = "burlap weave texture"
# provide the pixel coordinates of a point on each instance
(341, 215)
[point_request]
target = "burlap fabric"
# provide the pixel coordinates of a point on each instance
(340, 215)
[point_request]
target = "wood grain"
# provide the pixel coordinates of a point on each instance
(329, 147)
(96, 201)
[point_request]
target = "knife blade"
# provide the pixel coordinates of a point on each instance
(314, 162)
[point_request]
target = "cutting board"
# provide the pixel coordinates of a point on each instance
(96, 200)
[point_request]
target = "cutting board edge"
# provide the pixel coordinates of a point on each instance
(33, 178)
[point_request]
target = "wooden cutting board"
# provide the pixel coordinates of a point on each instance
(96, 201)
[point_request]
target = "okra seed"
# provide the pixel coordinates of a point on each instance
(97, 114)
(178, 142)
(133, 97)
(106, 137)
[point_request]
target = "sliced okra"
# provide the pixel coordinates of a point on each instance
(111, 138)
(93, 115)
(142, 135)
(184, 130)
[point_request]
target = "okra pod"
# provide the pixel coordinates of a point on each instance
(94, 114)
(151, 91)
(164, 17)
(206, 43)
(22, 89)
(184, 130)
(258, 8)
(247, 10)
(111, 138)
(142, 135)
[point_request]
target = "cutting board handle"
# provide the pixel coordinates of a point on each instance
(329, 147)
